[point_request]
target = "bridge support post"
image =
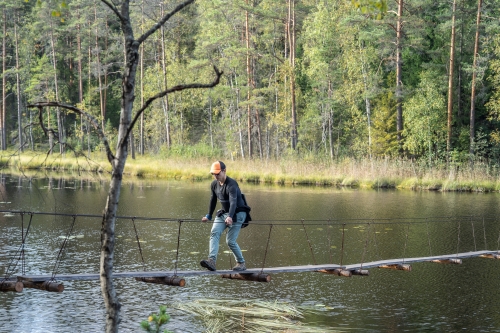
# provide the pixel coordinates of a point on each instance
(336, 271)
(362, 272)
(167, 280)
(491, 255)
(448, 261)
(399, 267)
(257, 277)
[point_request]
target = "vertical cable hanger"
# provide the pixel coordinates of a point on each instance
(406, 242)
(484, 234)
(458, 237)
(267, 247)
(139, 244)
(178, 245)
(330, 240)
(365, 250)
(309, 242)
(19, 256)
(61, 250)
(428, 236)
(473, 233)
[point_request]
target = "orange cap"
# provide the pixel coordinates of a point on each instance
(217, 167)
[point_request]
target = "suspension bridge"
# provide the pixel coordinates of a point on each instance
(342, 248)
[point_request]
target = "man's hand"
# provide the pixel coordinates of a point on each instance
(204, 219)
(229, 221)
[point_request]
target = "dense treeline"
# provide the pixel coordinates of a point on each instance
(301, 77)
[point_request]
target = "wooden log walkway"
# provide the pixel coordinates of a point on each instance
(268, 270)
(75, 277)
(389, 262)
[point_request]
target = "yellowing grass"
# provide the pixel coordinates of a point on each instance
(383, 173)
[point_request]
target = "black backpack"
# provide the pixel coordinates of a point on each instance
(247, 209)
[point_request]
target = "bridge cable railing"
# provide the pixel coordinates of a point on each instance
(280, 241)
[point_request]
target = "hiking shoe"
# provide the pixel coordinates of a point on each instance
(240, 267)
(208, 264)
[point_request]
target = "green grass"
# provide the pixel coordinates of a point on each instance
(371, 174)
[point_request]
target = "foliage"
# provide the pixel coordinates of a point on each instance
(376, 8)
(425, 117)
(384, 126)
(156, 321)
(344, 71)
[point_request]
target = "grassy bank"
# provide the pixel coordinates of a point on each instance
(375, 173)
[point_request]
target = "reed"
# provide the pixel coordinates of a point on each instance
(248, 316)
(367, 173)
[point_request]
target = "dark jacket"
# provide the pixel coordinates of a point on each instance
(230, 197)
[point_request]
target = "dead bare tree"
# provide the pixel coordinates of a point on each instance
(121, 10)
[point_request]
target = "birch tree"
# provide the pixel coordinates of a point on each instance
(118, 157)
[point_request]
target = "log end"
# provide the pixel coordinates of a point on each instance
(16, 286)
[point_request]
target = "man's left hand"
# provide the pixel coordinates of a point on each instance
(229, 221)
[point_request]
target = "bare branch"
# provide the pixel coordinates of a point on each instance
(91, 118)
(171, 90)
(163, 20)
(114, 9)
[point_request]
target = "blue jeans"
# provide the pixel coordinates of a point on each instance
(232, 234)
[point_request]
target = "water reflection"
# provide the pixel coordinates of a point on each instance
(431, 297)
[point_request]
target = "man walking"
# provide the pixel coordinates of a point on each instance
(232, 215)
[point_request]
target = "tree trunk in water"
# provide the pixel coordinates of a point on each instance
(473, 83)
(118, 160)
(450, 81)
(118, 164)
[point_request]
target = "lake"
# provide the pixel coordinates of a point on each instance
(292, 226)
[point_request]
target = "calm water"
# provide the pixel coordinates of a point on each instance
(308, 226)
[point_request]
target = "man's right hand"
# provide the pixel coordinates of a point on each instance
(204, 219)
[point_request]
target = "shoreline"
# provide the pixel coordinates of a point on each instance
(366, 174)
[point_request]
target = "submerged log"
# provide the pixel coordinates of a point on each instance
(363, 272)
(16, 286)
(167, 280)
(448, 261)
(45, 285)
(257, 277)
(399, 267)
(336, 271)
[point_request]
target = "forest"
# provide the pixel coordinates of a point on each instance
(319, 79)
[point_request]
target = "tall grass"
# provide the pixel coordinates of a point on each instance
(364, 173)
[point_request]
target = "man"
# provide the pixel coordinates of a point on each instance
(232, 215)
